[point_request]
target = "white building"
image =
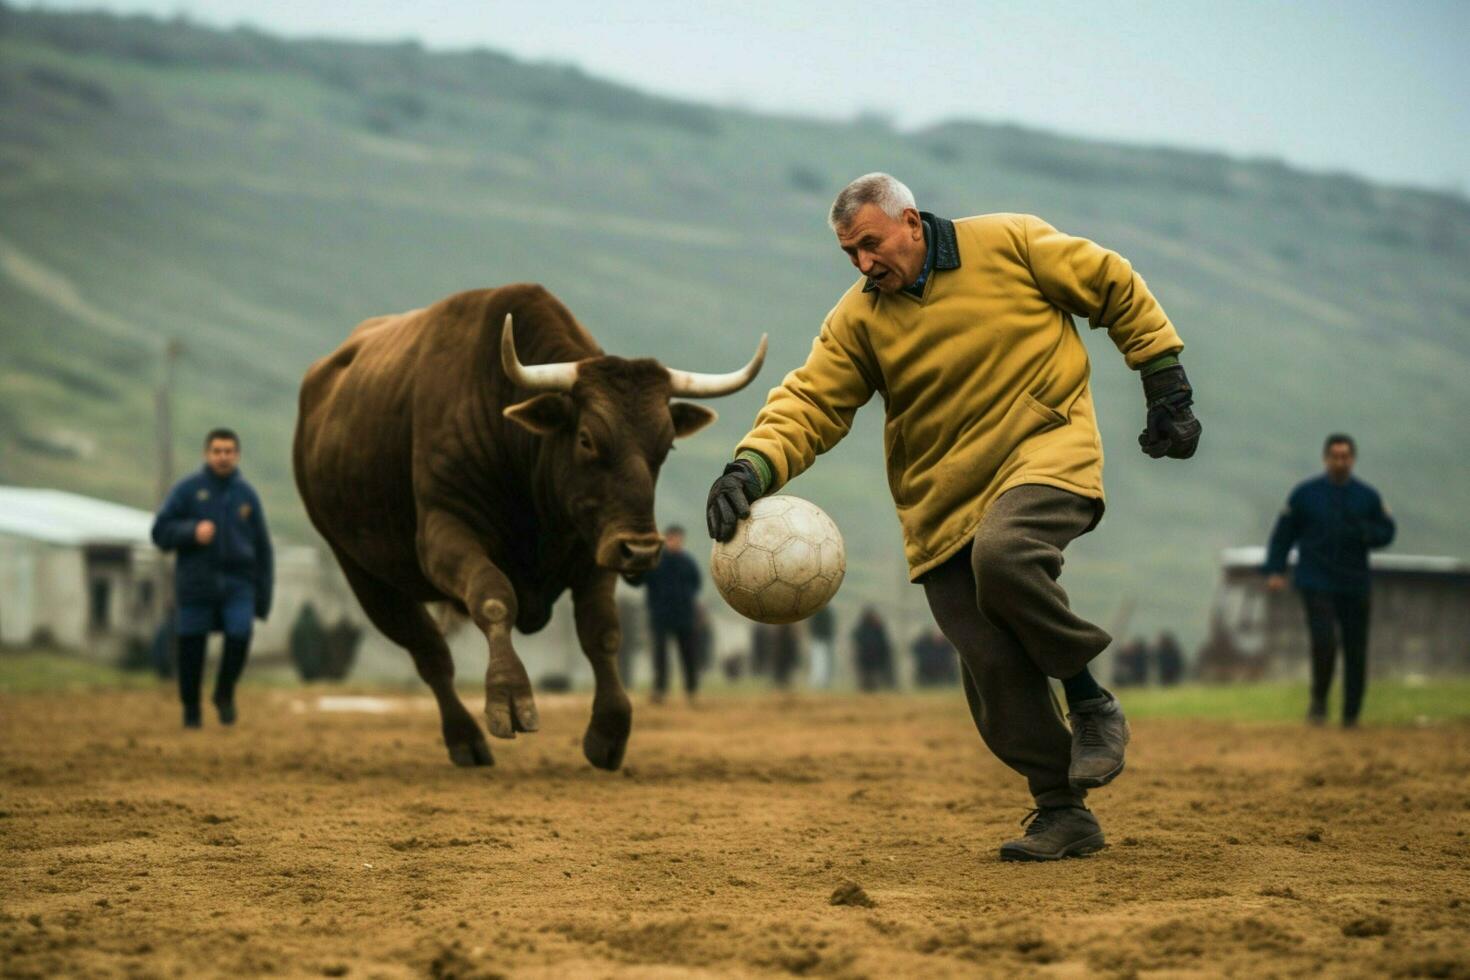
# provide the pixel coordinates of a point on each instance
(82, 575)
(1420, 623)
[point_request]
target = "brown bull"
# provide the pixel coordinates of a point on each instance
(441, 468)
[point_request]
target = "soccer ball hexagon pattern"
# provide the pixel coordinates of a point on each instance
(783, 564)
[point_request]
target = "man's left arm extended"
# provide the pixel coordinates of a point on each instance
(265, 563)
(1085, 279)
(1288, 528)
(1379, 528)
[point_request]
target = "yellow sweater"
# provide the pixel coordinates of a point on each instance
(984, 379)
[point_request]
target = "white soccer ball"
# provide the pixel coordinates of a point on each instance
(783, 564)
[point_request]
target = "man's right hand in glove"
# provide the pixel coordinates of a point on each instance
(730, 497)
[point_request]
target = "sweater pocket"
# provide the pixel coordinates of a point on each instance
(1048, 414)
(981, 452)
(949, 468)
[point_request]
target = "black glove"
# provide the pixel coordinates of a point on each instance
(729, 499)
(1171, 430)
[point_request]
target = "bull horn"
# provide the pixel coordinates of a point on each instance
(537, 377)
(689, 384)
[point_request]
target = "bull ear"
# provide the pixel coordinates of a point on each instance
(543, 414)
(689, 418)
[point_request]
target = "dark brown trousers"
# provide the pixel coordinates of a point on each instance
(998, 601)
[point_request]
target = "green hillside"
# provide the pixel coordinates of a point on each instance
(255, 198)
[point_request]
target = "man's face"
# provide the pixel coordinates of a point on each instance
(222, 456)
(889, 251)
(1339, 459)
(674, 541)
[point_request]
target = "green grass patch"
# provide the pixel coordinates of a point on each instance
(1387, 702)
(37, 672)
(46, 672)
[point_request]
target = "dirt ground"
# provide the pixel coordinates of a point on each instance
(340, 843)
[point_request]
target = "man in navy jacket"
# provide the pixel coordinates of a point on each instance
(672, 586)
(1333, 519)
(224, 573)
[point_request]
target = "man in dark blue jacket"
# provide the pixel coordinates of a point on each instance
(224, 573)
(672, 585)
(1333, 520)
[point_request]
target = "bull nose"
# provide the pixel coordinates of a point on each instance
(639, 552)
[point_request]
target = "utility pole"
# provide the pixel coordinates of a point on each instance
(163, 419)
(164, 434)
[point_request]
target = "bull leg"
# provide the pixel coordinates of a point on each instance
(456, 563)
(600, 636)
(407, 623)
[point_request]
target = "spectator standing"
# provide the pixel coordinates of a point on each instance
(873, 654)
(1169, 660)
(786, 654)
(672, 585)
(821, 632)
(935, 662)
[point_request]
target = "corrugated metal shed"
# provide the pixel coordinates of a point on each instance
(61, 518)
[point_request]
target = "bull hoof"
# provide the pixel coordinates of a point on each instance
(604, 751)
(466, 744)
(472, 753)
(506, 714)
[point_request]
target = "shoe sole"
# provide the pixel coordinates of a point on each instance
(1081, 848)
(1094, 782)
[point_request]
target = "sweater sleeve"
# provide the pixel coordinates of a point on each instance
(813, 408)
(173, 528)
(1283, 536)
(1085, 279)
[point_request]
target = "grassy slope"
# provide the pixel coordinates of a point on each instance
(256, 198)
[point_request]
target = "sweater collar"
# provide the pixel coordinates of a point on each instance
(943, 248)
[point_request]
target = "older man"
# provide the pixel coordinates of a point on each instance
(673, 585)
(994, 459)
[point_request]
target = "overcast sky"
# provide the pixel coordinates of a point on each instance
(1379, 89)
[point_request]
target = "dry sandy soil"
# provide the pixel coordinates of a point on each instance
(310, 842)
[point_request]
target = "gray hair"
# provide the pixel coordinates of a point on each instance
(884, 190)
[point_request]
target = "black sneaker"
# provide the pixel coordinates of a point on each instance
(1317, 714)
(1053, 833)
(1099, 734)
(226, 711)
(193, 718)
